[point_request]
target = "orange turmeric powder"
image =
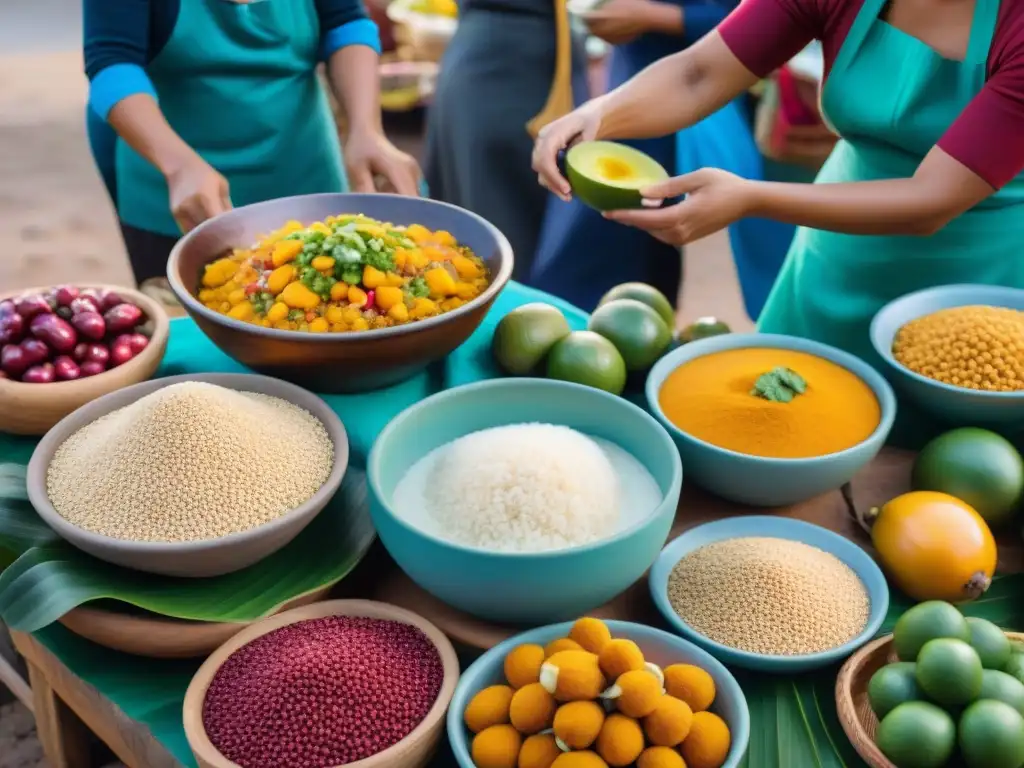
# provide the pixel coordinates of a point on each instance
(713, 398)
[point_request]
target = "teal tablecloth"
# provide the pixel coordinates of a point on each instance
(150, 691)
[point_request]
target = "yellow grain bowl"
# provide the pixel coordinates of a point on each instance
(855, 714)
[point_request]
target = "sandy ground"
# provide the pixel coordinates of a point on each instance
(56, 222)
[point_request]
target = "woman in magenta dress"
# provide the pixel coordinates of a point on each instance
(925, 187)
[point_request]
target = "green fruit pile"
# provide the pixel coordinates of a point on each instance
(627, 333)
(956, 695)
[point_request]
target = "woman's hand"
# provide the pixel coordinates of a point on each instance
(369, 154)
(581, 124)
(714, 200)
(622, 21)
(197, 193)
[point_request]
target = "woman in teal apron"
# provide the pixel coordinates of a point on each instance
(925, 188)
(198, 105)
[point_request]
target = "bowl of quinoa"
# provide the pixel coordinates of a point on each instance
(770, 593)
(957, 351)
(339, 683)
(189, 476)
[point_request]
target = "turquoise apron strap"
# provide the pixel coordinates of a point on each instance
(867, 16)
(983, 29)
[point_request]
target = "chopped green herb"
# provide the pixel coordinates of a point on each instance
(350, 273)
(296, 314)
(382, 260)
(417, 288)
(779, 385)
(346, 254)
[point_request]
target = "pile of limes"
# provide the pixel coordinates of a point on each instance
(956, 693)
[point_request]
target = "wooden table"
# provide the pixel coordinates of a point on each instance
(64, 704)
(65, 707)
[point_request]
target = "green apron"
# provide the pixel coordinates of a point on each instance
(892, 97)
(238, 83)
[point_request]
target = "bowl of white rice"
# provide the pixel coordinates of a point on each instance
(524, 500)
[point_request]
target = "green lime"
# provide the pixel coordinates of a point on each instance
(525, 335)
(588, 358)
(703, 328)
(949, 672)
(976, 466)
(1015, 666)
(992, 735)
(917, 735)
(892, 685)
(1002, 687)
(646, 294)
(927, 621)
(991, 643)
(636, 330)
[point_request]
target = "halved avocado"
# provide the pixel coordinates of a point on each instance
(609, 176)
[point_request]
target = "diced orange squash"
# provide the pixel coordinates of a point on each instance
(285, 251)
(280, 278)
(439, 282)
(298, 296)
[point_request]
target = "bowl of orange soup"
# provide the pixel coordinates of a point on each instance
(770, 420)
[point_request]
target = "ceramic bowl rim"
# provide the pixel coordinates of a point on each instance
(676, 358)
(996, 291)
(866, 569)
(740, 731)
(154, 312)
(436, 717)
(61, 431)
(374, 460)
(193, 305)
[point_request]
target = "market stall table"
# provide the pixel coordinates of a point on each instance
(122, 698)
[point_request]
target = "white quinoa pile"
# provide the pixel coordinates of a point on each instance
(769, 596)
(189, 462)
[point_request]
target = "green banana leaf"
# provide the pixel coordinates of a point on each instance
(49, 577)
(793, 720)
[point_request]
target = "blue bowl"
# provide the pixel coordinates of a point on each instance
(512, 587)
(780, 528)
(768, 482)
(955, 405)
(658, 646)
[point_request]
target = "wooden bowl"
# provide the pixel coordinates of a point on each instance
(852, 704)
(161, 637)
(414, 751)
(338, 362)
(31, 409)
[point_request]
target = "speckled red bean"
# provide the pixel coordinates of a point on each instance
(322, 693)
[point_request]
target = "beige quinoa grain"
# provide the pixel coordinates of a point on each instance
(769, 596)
(189, 462)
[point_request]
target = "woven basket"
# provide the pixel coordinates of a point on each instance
(855, 713)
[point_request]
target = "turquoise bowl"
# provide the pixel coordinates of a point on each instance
(859, 561)
(956, 406)
(766, 482)
(660, 647)
(522, 588)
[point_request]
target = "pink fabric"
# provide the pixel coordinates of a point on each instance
(988, 137)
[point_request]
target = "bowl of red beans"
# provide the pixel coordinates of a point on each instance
(339, 683)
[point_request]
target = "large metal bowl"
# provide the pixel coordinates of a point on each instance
(338, 362)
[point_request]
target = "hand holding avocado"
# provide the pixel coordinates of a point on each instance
(713, 200)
